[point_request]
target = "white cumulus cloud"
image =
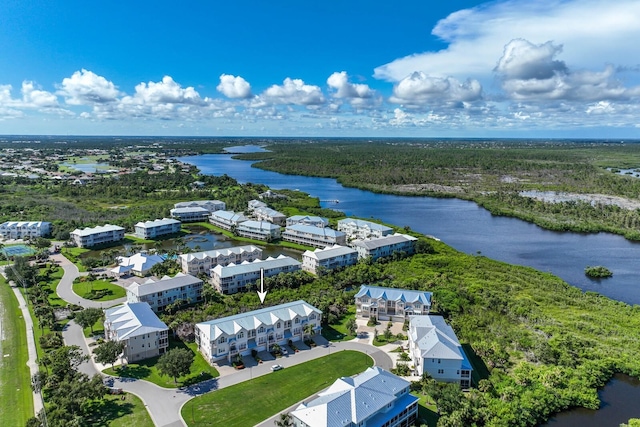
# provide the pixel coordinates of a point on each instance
(87, 88)
(166, 91)
(295, 92)
(38, 98)
(420, 88)
(234, 87)
(357, 94)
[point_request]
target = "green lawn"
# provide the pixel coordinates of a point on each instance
(338, 331)
(115, 412)
(16, 405)
(93, 290)
(73, 255)
(271, 393)
(98, 329)
(146, 369)
(52, 283)
(427, 410)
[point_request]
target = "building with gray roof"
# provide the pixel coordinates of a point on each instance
(156, 228)
(316, 221)
(435, 349)
(100, 235)
(138, 327)
(373, 398)
(260, 230)
(361, 229)
(265, 213)
(191, 214)
(210, 205)
(235, 277)
(202, 262)
(159, 293)
(317, 237)
(391, 303)
(227, 220)
(24, 229)
(230, 336)
(385, 246)
(329, 258)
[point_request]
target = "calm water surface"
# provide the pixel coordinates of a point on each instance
(466, 227)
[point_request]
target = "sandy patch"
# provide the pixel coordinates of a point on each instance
(416, 188)
(555, 197)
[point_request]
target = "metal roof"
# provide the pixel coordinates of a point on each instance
(379, 242)
(95, 230)
(152, 285)
(394, 294)
(251, 267)
(157, 222)
(219, 252)
(436, 339)
(133, 319)
(329, 252)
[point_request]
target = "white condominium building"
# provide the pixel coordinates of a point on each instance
(159, 293)
(156, 228)
(261, 230)
(435, 349)
(271, 215)
(385, 246)
(24, 229)
(230, 336)
(391, 303)
(194, 214)
(227, 219)
(202, 262)
(329, 258)
(361, 229)
(210, 205)
(103, 234)
(234, 278)
(309, 235)
(316, 221)
(375, 398)
(139, 328)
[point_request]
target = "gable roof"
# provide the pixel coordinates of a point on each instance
(348, 401)
(315, 231)
(249, 267)
(254, 319)
(393, 294)
(329, 252)
(219, 252)
(360, 223)
(140, 262)
(379, 242)
(166, 283)
(133, 319)
(157, 222)
(436, 339)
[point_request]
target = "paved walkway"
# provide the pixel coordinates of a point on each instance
(65, 287)
(31, 343)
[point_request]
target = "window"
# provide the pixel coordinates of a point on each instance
(441, 371)
(278, 325)
(297, 320)
(439, 360)
(241, 335)
(261, 330)
(222, 340)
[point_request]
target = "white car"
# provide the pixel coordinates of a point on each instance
(276, 367)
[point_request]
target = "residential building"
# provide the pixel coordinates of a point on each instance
(329, 258)
(385, 246)
(202, 262)
(261, 230)
(375, 398)
(267, 214)
(361, 229)
(139, 328)
(435, 349)
(253, 204)
(194, 214)
(391, 303)
(156, 228)
(159, 293)
(227, 220)
(234, 278)
(24, 229)
(100, 235)
(139, 264)
(228, 337)
(309, 235)
(316, 221)
(210, 205)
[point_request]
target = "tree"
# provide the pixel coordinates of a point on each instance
(352, 326)
(175, 363)
(22, 272)
(88, 317)
(42, 243)
(108, 352)
(284, 420)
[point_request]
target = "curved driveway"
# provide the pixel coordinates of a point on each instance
(65, 287)
(164, 404)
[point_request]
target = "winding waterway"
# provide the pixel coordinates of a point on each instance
(472, 229)
(466, 227)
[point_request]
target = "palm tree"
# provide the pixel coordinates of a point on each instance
(284, 420)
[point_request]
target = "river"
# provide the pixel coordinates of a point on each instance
(466, 227)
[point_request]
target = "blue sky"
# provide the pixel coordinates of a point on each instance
(516, 68)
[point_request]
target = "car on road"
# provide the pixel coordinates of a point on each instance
(276, 367)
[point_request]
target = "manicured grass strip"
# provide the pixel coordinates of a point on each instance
(91, 290)
(427, 410)
(52, 282)
(338, 331)
(251, 402)
(146, 369)
(116, 412)
(16, 400)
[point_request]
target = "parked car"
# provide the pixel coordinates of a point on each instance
(276, 367)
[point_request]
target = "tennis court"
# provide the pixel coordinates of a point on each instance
(17, 250)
